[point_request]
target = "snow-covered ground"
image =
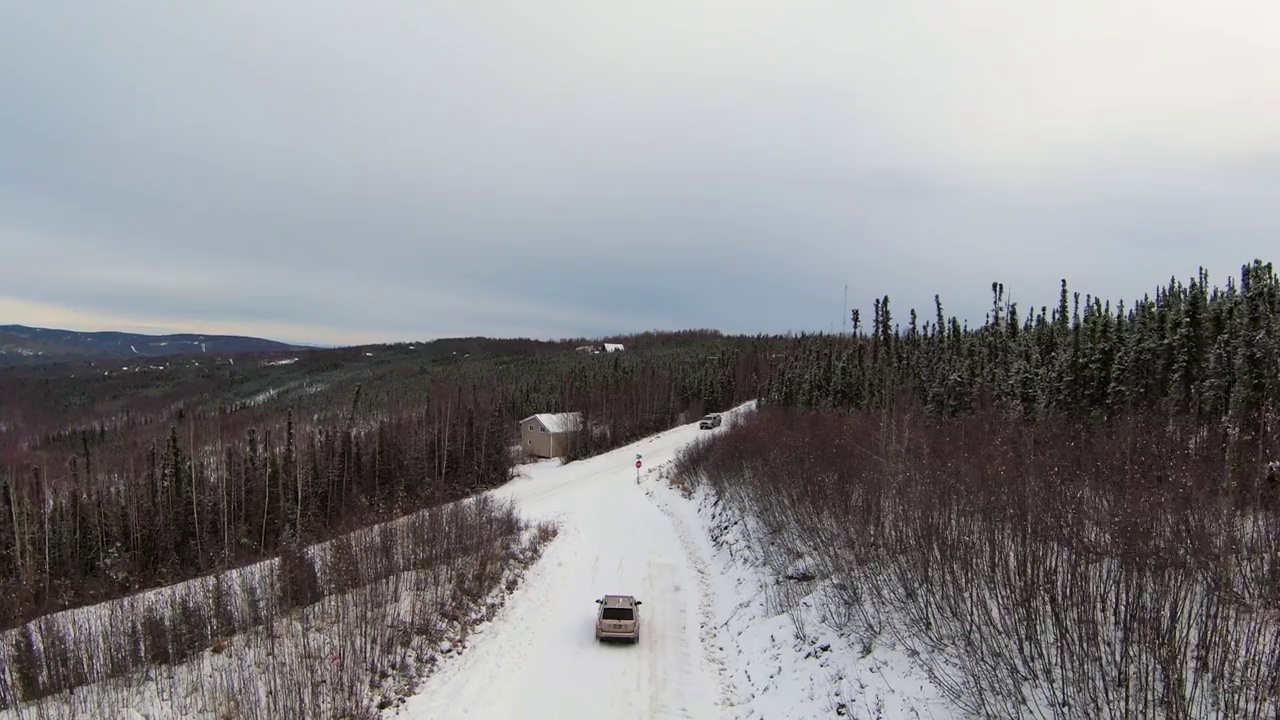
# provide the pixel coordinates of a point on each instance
(715, 642)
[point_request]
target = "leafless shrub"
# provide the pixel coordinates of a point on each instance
(190, 625)
(297, 582)
(124, 651)
(25, 662)
(256, 610)
(544, 533)
(1044, 570)
(223, 611)
(344, 568)
(692, 458)
(155, 638)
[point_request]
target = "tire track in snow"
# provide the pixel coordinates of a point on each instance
(707, 630)
(671, 662)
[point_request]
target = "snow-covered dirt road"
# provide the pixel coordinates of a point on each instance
(539, 657)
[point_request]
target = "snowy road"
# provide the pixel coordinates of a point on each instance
(539, 657)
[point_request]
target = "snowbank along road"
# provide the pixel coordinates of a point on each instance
(539, 657)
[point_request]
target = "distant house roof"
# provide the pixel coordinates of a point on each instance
(558, 422)
(612, 347)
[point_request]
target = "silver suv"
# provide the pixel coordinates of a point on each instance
(618, 618)
(710, 421)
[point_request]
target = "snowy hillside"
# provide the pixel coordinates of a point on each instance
(381, 609)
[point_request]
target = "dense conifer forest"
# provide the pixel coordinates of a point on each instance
(121, 479)
(1209, 352)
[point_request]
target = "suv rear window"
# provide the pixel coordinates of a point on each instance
(617, 614)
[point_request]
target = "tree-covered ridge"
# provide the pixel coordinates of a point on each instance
(230, 466)
(1191, 348)
(40, 403)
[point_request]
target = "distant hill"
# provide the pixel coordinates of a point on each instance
(20, 345)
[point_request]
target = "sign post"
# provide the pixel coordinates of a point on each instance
(637, 468)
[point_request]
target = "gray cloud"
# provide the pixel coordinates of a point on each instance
(414, 170)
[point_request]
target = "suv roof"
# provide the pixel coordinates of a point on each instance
(618, 601)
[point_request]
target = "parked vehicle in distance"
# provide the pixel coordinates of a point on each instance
(712, 420)
(618, 618)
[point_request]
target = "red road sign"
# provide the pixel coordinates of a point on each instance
(637, 463)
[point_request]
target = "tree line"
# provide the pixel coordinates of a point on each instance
(1190, 349)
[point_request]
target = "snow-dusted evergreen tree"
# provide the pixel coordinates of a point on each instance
(1182, 349)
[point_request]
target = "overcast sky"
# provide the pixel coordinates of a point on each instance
(364, 172)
